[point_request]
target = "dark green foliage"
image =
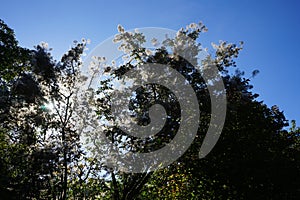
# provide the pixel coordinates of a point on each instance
(14, 59)
(255, 157)
(37, 145)
(41, 156)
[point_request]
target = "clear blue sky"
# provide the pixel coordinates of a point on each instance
(270, 30)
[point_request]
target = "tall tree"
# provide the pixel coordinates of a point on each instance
(39, 142)
(255, 156)
(45, 117)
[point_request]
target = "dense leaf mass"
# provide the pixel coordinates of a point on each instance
(41, 134)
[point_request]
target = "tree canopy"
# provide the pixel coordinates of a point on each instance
(47, 125)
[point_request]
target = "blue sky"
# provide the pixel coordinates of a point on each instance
(270, 30)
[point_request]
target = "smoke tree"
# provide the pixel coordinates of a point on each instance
(55, 115)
